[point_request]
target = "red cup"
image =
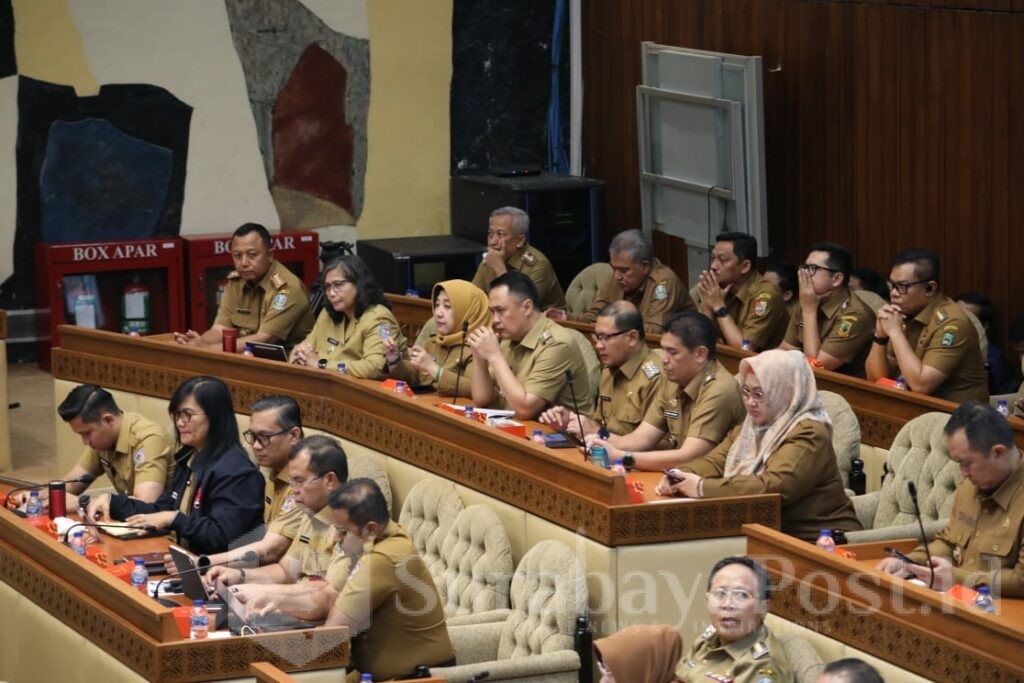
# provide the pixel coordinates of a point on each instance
(183, 618)
(58, 499)
(229, 340)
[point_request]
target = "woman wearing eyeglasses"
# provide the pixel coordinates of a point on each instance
(736, 647)
(444, 358)
(216, 494)
(783, 446)
(354, 323)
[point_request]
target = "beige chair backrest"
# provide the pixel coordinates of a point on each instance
(362, 466)
(918, 454)
(845, 431)
(873, 301)
(584, 286)
(429, 510)
(590, 359)
(549, 590)
(477, 563)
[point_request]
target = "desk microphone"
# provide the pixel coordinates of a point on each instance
(576, 409)
(202, 564)
(148, 528)
(479, 676)
(86, 479)
(458, 368)
(912, 488)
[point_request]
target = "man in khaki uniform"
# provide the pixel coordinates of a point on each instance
(639, 278)
(317, 467)
(630, 381)
(696, 408)
(136, 454)
(733, 294)
(925, 337)
(983, 542)
(526, 370)
(275, 427)
(508, 234)
(264, 301)
(831, 325)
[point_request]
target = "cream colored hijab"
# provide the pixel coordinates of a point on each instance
(469, 304)
(790, 395)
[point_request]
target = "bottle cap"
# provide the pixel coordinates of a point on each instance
(139, 560)
(199, 603)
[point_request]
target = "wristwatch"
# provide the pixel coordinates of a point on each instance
(722, 312)
(628, 461)
(881, 341)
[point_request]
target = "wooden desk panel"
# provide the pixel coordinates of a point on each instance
(910, 626)
(554, 484)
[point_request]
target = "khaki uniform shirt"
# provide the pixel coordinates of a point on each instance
(628, 391)
(757, 658)
(390, 593)
(281, 513)
(845, 327)
(984, 538)
(356, 342)
(706, 408)
(277, 305)
(313, 545)
(661, 294)
(945, 339)
(143, 453)
(448, 358)
(533, 264)
(539, 362)
(759, 311)
(803, 471)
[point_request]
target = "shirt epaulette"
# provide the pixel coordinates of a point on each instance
(529, 258)
(277, 281)
(234, 275)
(650, 369)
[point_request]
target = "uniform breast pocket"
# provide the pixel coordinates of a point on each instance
(999, 544)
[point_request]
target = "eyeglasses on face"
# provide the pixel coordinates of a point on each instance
(756, 395)
(813, 268)
(299, 483)
(904, 287)
(603, 337)
(738, 595)
(263, 439)
(335, 285)
(185, 416)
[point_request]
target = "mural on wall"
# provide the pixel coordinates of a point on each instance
(309, 87)
(109, 166)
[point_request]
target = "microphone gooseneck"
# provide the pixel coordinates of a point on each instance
(576, 409)
(458, 368)
(912, 488)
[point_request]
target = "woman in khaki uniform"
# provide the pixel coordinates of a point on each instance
(783, 446)
(459, 308)
(354, 324)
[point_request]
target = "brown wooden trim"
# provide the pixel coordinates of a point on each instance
(3, 324)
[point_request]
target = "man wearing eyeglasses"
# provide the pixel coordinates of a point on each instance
(264, 300)
(630, 381)
(275, 426)
(508, 249)
(832, 325)
(923, 336)
(317, 466)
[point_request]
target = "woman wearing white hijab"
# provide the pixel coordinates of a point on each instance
(783, 446)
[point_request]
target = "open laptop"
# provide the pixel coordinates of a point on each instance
(192, 583)
(275, 621)
(268, 351)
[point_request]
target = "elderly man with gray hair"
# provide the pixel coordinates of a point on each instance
(638, 277)
(508, 248)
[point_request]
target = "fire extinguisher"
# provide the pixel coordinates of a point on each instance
(135, 307)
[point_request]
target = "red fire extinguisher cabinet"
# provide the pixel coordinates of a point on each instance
(208, 262)
(156, 264)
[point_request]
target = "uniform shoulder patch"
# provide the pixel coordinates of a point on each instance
(650, 369)
(278, 280)
(661, 291)
(761, 303)
(280, 301)
(948, 338)
(139, 457)
(845, 326)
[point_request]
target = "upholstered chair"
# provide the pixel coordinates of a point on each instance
(427, 515)
(477, 568)
(584, 286)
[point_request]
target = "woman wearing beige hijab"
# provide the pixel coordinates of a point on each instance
(458, 306)
(783, 446)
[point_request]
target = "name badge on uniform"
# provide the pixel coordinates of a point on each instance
(243, 311)
(332, 344)
(267, 500)
(303, 538)
(671, 413)
(604, 397)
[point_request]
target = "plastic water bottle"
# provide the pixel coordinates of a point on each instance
(745, 345)
(618, 468)
(342, 368)
(34, 507)
(599, 456)
(468, 412)
(1003, 409)
(365, 678)
(78, 543)
(400, 387)
(140, 576)
(984, 600)
(825, 541)
(247, 351)
(538, 437)
(901, 383)
(199, 621)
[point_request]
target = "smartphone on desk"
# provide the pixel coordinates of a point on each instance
(562, 440)
(154, 560)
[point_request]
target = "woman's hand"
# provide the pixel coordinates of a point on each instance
(680, 484)
(304, 354)
(99, 509)
(392, 354)
(421, 360)
(160, 520)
